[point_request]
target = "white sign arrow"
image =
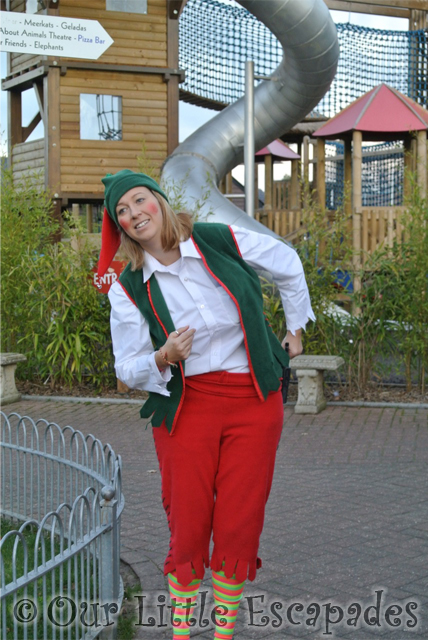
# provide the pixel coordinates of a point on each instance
(52, 35)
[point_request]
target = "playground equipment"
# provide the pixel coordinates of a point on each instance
(311, 50)
(398, 58)
(381, 114)
(135, 89)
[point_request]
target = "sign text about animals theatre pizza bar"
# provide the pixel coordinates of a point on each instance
(52, 35)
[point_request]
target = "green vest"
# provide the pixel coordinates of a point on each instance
(220, 254)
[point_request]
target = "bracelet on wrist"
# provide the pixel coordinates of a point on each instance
(165, 358)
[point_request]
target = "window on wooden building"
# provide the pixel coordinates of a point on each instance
(100, 117)
(127, 6)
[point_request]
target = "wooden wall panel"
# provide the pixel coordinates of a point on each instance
(20, 61)
(126, 29)
(28, 159)
(144, 122)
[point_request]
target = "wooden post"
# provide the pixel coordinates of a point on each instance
(75, 213)
(277, 223)
(229, 182)
(408, 166)
(321, 172)
(422, 162)
(15, 120)
(306, 159)
(268, 182)
(414, 153)
(51, 91)
(89, 219)
(306, 192)
(172, 81)
(347, 174)
(357, 139)
(294, 187)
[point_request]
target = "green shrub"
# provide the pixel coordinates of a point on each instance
(50, 310)
(389, 331)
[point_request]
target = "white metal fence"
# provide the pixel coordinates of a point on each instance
(60, 569)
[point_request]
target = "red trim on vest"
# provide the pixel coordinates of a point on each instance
(253, 375)
(177, 413)
(131, 299)
(235, 241)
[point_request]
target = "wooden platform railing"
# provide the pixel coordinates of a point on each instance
(380, 226)
(283, 223)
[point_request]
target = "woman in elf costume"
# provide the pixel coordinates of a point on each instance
(188, 326)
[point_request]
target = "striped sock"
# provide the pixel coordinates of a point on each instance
(227, 596)
(183, 600)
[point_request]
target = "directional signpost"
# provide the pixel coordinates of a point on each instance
(52, 35)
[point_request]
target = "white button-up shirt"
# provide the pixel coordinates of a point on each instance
(195, 298)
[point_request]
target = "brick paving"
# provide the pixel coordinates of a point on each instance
(347, 517)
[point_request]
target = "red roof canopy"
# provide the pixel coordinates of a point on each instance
(382, 113)
(279, 150)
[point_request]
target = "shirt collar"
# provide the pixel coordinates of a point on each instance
(151, 265)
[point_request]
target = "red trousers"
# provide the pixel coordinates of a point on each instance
(217, 471)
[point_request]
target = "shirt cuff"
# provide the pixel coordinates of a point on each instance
(160, 378)
(293, 327)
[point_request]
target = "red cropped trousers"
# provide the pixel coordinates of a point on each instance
(217, 471)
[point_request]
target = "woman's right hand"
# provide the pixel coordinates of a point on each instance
(177, 347)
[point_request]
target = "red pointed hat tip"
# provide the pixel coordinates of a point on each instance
(110, 243)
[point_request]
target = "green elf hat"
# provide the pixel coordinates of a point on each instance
(116, 185)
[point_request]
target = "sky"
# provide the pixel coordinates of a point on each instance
(190, 116)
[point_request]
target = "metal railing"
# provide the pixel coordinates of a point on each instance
(60, 569)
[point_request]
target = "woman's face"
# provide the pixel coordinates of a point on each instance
(140, 216)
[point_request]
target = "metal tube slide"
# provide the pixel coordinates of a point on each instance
(311, 51)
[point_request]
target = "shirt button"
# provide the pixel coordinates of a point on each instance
(186, 279)
(202, 306)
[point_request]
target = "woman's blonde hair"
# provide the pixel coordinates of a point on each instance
(176, 227)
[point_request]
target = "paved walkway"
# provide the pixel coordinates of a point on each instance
(346, 524)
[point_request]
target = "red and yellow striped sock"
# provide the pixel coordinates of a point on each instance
(227, 596)
(183, 600)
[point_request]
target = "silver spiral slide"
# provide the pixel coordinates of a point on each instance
(311, 51)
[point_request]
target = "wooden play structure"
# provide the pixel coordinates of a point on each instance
(136, 86)
(138, 77)
(381, 114)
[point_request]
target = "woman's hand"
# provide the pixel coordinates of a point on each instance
(295, 347)
(177, 347)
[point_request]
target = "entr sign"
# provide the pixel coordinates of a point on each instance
(52, 35)
(104, 283)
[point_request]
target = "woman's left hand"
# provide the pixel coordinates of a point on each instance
(295, 347)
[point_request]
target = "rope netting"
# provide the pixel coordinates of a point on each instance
(216, 38)
(109, 116)
(382, 174)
